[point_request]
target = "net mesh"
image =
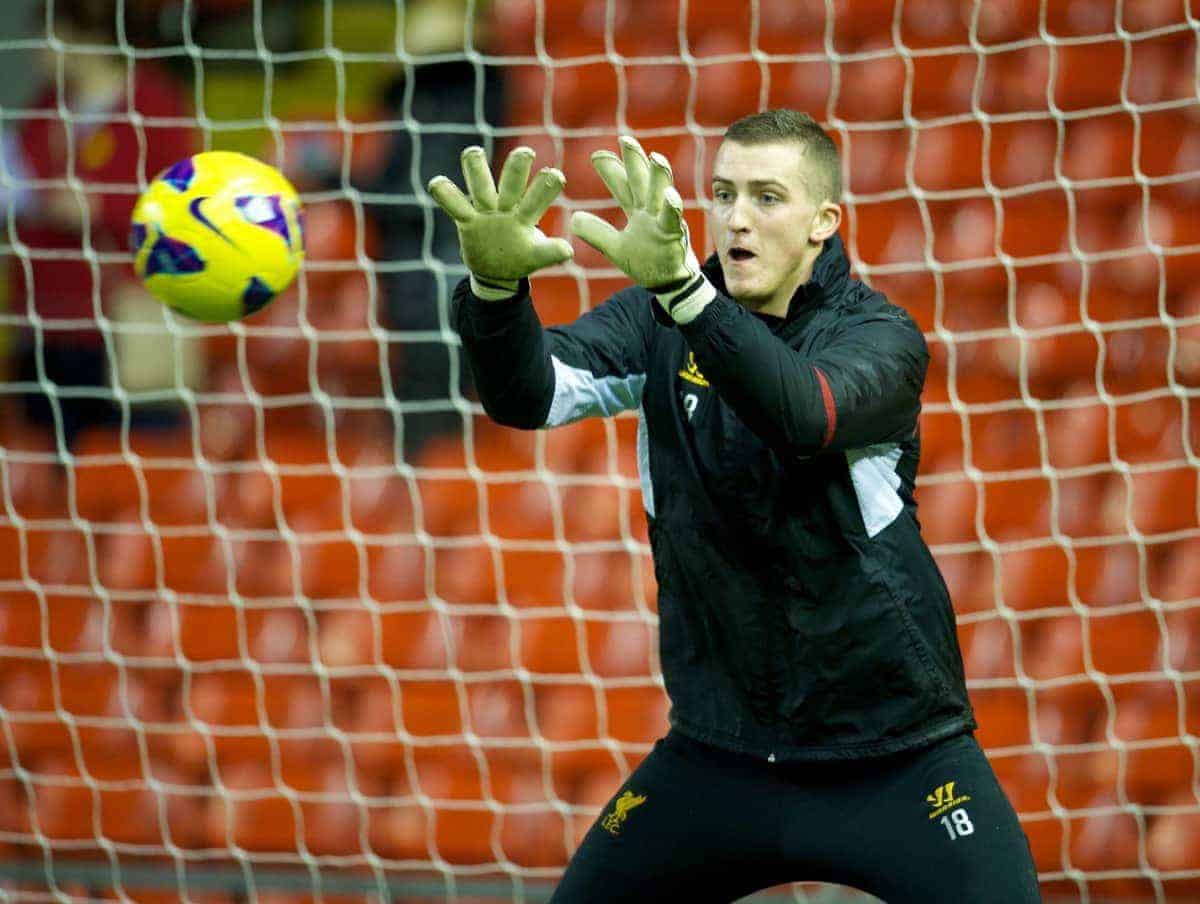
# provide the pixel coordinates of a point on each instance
(284, 617)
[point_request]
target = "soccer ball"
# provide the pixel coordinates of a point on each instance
(217, 236)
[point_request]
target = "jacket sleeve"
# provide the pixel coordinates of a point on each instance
(862, 387)
(530, 377)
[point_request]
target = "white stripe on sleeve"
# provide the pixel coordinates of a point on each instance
(579, 393)
(876, 483)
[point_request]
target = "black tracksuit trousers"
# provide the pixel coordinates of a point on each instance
(697, 824)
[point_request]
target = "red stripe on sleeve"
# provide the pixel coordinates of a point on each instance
(830, 408)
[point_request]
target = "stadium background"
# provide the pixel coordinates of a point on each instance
(286, 619)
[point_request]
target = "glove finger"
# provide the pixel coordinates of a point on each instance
(637, 169)
(514, 176)
(479, 178)
(601, 235)
(661, 178)
(451, 199)
(612, 171)
(545, 188)
(670, 219)
(551, 252)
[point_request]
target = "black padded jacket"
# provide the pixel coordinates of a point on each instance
(801, 614)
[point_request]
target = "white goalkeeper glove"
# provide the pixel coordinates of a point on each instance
(497, 228)
(654, 249)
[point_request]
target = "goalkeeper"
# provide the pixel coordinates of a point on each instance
(820, 725)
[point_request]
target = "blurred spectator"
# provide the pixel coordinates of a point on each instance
(82, 127)
(440, 108)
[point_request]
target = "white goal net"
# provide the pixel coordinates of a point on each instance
(284, 617)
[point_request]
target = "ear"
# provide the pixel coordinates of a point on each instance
(826, 222)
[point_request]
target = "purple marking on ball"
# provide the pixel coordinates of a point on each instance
(265, 211)
(180, 175)
(173, 257)
(256, 296)
(137, 237)
(300, 222)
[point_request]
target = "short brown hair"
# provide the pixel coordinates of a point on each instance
(785, 125)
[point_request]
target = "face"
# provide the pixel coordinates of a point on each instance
(767, 227)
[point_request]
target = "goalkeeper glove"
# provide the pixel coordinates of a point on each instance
(654, 249)
(497, 228)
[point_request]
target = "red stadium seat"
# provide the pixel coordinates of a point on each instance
(801, 84)
(551, 645)
(1004, 440)
(958, 569)
(872, 88)
(463, 816)
(1101, 148)
(1055, 649)
(497, 709)
(1174, 574)
(534, 578)
(1003, 716)
(1089, 75)
(568, 712)
(1077, 433)
(1016, 509)
(987, 648)
(366, 712)
(254, 813)
(1034, 578)
(1157, 762)
(1105, 840)
(622, 649)
(50, 556)
(1022, 152)
(1149, 430)
(481, 643)
(465, 574)
(520, 509)
(609, 580)
(725, 89)
(1000, 23)
(854, 21)
(636, 714)
(34, 483)
(941, 441)
(583, 92)
(947, 511)
(396, 571)
(533, 832)
(558, 299)
(875, 160)
(949, 157)
(400, 639)
(1160, 502)
(943, 83)
(1173, 843)
(1017, 80)
(1108, 575)
(62, 801)
(331, 823)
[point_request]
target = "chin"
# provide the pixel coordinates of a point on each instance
(745, 294)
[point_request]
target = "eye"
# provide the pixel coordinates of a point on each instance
(768, 197)
(722, 195)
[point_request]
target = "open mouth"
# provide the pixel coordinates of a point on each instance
(740, 254)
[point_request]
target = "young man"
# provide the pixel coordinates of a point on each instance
(820, 726)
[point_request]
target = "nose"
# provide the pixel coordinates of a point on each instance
(739, 217)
